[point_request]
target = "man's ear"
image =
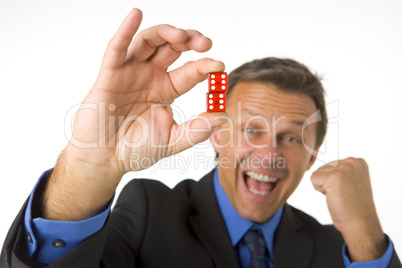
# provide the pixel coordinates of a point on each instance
(313, 157)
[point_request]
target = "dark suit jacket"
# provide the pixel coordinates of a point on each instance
(154, 226)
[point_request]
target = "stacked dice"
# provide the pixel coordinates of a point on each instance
(217, 87)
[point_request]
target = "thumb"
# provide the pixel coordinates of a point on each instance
(196, 130)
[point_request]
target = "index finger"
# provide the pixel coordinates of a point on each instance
(168, 53)
(190, 74)
(152, 39)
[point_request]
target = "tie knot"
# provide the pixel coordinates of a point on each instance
(255, 243)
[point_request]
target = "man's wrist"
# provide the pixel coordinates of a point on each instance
(76, 191)
(365, 244)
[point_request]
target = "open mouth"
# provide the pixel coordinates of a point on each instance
(259, 184)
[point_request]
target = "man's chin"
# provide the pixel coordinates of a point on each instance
(256, 213)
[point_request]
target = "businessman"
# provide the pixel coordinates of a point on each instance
(236, 216)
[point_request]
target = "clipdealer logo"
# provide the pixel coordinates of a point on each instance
(328, 151)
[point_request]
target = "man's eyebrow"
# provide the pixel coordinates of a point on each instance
(297, 122)
(292, 123)
(252, 113)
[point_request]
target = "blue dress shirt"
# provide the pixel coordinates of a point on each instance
(238, 226)
(50, 240)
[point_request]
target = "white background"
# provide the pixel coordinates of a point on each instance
(50, 53)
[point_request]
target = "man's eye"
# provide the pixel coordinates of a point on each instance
(251, 130)
(290, 139)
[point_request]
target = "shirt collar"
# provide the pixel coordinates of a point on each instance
(237, 225)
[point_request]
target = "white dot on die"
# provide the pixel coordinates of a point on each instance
(212, 76)
(223, 87)
(210, 95)
(221, 106)
(211, 107)
(211, 101)
(213, 87)
(223, 76)
(212, 81)
(220, 95)
(221, 101)
(223, 82)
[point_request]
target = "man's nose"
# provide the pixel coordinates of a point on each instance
(267, 149)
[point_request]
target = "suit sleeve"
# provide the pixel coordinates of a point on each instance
(388, 259)
(110, 246)
(49, 240)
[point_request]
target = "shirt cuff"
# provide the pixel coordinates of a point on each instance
(50, 240)
(379, 263)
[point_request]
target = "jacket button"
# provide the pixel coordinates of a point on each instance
(58, 243)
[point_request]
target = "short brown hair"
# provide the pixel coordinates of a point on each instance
(289, 76)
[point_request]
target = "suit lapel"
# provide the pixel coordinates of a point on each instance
(209, 225)
(291, 247)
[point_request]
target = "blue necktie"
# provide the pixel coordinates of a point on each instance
(255, 243)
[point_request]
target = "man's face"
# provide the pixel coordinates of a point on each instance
(261, 149)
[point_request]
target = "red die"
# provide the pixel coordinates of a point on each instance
(216, 102)
(217, 82)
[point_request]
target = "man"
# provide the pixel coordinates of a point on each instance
(234, 217)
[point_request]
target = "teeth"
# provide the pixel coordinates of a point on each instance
(254, 191)
(261, 177)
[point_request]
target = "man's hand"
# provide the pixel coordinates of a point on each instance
(127, 113)
(350, 202)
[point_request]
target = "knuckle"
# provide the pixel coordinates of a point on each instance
(314, 176)
(351, 160)
(363, 162)
(188, 63)
(111, 43)
(348, 163)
